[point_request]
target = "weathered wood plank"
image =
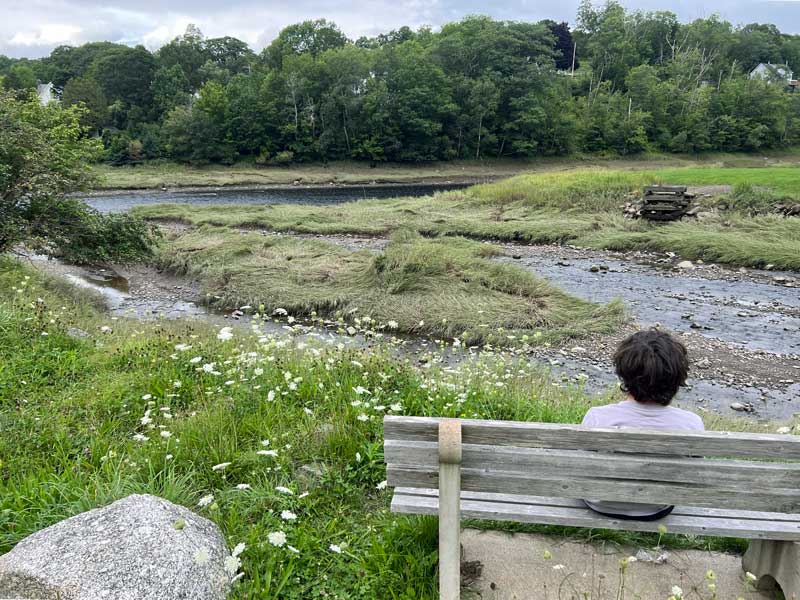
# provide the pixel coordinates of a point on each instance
(710, 494)
(576, 437)
(689, 511)
(583, 517)
(580, 463)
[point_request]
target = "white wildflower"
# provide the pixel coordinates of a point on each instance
(288, 515)
(166, 434)
(277, 538)
(238, 549)
(225, 334)
(243, 486)
(205, 500)
(196, 360)
(335, 548)
(231, 565)
(382, 485)
(267, 453)
(284, 490)
(220, 466)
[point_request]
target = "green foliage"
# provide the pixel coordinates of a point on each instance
(43, 156)
(125, 74)
(133, 412)
(20, 77)
(478, 88)
(87, 92)
(444, 287)
(72, 447)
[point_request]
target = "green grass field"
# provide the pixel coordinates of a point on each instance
(155, 407)
(581, 207)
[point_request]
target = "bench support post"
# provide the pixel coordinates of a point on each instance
(450, 510)
(775, 561)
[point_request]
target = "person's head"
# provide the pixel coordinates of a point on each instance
(651, 365)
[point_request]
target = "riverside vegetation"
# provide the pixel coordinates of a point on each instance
(580, 207)
(276, 439)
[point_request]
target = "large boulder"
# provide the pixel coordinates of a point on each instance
(138, 548)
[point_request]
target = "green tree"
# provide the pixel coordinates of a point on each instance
(87, 92)
(126, 74)
(308, 37)
(20, 77)
(230, 54)
(187, 51)
(170, 88)
(44, 155)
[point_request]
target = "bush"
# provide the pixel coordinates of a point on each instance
(282, 158)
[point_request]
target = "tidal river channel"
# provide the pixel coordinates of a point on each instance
(114, 202)
(742, 326)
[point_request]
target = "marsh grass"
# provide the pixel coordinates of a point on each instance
(444, 287)
(580, 207)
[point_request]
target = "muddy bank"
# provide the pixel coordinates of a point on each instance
(726, 379)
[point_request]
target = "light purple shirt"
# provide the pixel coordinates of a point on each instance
(632, 414)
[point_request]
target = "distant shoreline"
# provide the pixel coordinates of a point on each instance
(435, 182)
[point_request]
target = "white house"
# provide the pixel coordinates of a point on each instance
(46, 93)
(770, 72)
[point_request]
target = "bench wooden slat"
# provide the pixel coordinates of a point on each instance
(582, 517)
(711, 494)
(549, 463)
(688, 511)
(576, 437)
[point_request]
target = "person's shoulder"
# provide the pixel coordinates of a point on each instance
(693, 420)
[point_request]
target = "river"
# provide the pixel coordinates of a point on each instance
(121, 201)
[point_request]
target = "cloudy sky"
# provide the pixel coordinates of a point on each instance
(34, 27)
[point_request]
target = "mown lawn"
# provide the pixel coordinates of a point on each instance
(254, 431)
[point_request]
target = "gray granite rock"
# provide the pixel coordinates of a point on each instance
(138, 548)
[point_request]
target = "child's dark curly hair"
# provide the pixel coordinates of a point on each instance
(652, 365)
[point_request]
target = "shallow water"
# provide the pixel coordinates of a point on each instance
(320, 195)
(756, 316)
(713, 396)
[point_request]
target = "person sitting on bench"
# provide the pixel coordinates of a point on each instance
(651, 365)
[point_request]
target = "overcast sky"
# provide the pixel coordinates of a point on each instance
(33, 28)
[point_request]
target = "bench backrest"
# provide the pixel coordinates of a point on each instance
(745, 471)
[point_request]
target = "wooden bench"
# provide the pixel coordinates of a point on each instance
(740, 485)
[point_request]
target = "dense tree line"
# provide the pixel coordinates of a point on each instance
(621, 81)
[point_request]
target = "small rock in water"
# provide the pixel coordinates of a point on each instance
(685, 265)
(517, 257)
(742, 407)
